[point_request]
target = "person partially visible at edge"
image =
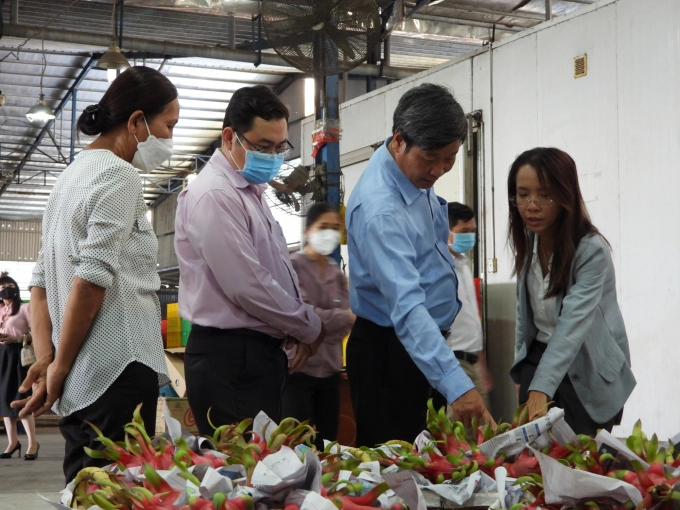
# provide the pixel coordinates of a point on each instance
(466, 338)
(314, 393)
(14, 331)
(237, 285)
(571, 346)
(95, 316)
(402, 277)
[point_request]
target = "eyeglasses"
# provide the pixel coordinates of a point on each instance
(523, 202)
(277, 152)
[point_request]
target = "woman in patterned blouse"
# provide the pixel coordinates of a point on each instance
(93, 292)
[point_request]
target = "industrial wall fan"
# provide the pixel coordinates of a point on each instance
(324, 37)
(296, 187)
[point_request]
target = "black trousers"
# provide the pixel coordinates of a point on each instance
(110, 413)
(389, 393)
(234, 374)
(316, 399)
(565, 397)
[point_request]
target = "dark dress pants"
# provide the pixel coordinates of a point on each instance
(137, 384)
(233, 374)
(316, 399)
(389, 392)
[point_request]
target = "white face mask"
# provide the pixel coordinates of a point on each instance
(324, 241)
(152, 152)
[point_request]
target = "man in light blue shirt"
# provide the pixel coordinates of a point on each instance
(402, 275)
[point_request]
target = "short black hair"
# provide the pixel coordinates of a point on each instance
(247, 103)
(137, 88)
(318, 210)
(16, 302)
(459, 212)
(429, 117)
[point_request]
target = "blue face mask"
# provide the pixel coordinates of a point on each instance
(463, 243)
(260, 167)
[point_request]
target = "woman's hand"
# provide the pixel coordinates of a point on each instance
(36, 379)
(537, 404)
(8, 339)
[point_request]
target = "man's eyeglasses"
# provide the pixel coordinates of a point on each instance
(523, 202)
(280, 152)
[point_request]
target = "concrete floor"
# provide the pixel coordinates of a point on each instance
(21, 481)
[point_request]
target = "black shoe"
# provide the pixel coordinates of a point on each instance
(8, 455)
(32, 456)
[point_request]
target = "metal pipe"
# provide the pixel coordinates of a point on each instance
(14, 12)
(120, 23)
(185, 50)
(386, 51)
(73, 124)
(465, 22)
(548, 10)
(231, 32)
(494, 12)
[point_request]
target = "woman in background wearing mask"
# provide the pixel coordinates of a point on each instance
(95, 317)
(14, 330)
(314, 393)
(571, 347)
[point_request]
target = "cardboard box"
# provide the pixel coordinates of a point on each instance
(179, 409)
(174, 360)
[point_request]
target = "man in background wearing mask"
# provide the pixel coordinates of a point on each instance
(237, 285)
(466, 338)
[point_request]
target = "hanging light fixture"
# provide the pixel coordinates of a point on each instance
(113, 60)
(40, 112)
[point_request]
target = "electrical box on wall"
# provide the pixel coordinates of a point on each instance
(580, 66)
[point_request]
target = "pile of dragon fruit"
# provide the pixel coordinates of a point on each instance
(259, 464)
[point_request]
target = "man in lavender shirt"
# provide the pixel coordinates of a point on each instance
(237, 285)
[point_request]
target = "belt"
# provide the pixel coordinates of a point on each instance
(466, 356)
(239, 332)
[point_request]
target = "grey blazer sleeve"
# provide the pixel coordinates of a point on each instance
(591, 266)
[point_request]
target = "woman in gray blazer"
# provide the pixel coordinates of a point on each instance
(571, 346)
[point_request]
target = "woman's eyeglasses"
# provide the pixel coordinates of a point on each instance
(523, 202)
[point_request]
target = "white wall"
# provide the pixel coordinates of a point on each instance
(620, 124)
(648, 77)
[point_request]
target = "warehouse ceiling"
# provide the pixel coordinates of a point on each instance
(208, 49)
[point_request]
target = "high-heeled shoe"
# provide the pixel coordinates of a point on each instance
(8, 455)
(32, 456)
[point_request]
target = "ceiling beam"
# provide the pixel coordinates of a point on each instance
(466, 22)
(494, 12)
(173, 49)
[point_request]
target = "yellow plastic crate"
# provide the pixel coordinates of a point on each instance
(174, 339)
(174, 325)
(173, 310)
(344, 351)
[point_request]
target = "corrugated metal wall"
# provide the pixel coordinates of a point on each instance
(164, 226)
(20, 240)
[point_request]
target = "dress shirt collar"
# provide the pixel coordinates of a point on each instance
(220, 161)
(536, 261)
(408, 190)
